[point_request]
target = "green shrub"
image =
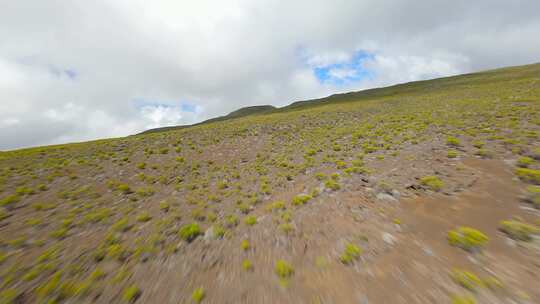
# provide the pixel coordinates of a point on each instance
(529, 175)
(245, 245)
(3, 214)
(432, 182)
(189, 232)
(9, 200)
(452, 154)
(250, 220)
(478, 144)
(483, 153)
(198, 295)
(351, 253)
(164, 206)
(518, 230)
(332, 185)
(463, 300)
(9, 296)
(283, 269)
(466, 279)
(131, 294)
(277, 205)
(301, 199)
(144, 217)
(124, 188)
(247, 264)
(524, 161)
(453, 141)
(467, 238)
(122, 225)
(286, 227)
(231, 220)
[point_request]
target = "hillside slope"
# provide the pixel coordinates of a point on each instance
(430, 190)
(492, 76)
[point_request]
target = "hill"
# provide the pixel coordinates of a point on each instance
(430, 190)
(246, 111)
(493, 76)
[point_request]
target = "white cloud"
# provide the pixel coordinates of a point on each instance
(73, 70)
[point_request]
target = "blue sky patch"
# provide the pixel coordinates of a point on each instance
(345, 72)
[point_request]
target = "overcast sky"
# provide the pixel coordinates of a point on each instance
(79, 70)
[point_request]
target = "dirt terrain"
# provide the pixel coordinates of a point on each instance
(427, 193)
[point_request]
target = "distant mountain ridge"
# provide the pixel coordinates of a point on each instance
(408, 87)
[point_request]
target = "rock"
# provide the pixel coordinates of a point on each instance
(386, 197)
(363, 300)
(388, 238)
(428, 251)
(396, 194)
(209, 234)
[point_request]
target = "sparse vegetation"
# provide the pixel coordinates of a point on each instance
(84, 222)
(283, 269)
(189, 232)
(518, 230)
(350, 254)
(432, 182)
(467, 238)
(198, 295)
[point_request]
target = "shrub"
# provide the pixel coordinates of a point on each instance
(518, 230)
(351, 253)
(245, 245)
(301, 199)
(3, 214)
(141, 166)
(478, 144)
(131, 294)
(452, 154)
(247, 265)
(144, 217)
(124, 188)
(466, 279)
(467, 238)
(9, 200)
(283, 269)
(332, 185)
(164, 206)
(432, 182)
(277, 205)
(529, 175)
(463, 300)
(524, 161)
(189, 232)
(453, 141)
(286, 228)
(122, 225)
(8, 296)
(198, 295)
(231, 220)
(483, 153)
(250, 220)
(533, 196)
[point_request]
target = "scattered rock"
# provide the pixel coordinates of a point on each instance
(386, 197)
(209, 234)
(389, 239)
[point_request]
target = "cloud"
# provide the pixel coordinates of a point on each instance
(74, 70)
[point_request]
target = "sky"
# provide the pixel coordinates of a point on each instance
(82, 70)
